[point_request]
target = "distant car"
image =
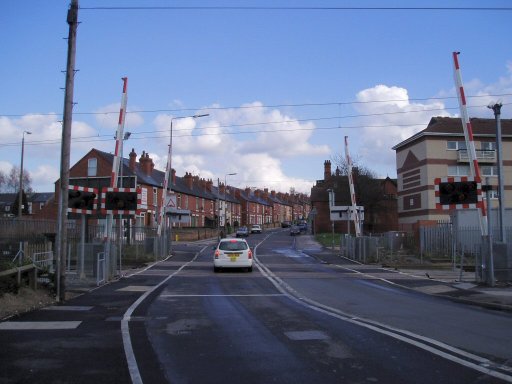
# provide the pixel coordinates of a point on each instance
(294, 230)
(255, 228)
(303, 226)
(232, 253)
(286, 224)
(242, 232)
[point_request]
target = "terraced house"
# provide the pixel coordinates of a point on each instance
(198, 202)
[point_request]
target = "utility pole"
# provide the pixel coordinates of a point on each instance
(61, 244)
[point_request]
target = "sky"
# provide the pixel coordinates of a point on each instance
(283, 82)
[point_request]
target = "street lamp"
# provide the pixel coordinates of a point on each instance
(162, 225)
(225, 203)
(496, 107)
(20, 201)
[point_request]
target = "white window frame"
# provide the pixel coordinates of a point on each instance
(92, 167)
(488, 145)
(458, 170)
(485, 168)
(493, 195)
(455, 145)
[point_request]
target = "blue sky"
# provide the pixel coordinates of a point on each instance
(282, 86)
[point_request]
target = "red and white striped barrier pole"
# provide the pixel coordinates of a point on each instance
(119, 135)
(357, 223)
(116, 162)
(470, 143)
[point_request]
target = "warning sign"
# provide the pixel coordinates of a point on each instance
(170, 200)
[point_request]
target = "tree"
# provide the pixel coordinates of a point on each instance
(12, 181)
(15, 205)
(368, 188)
(3, 178)
(342, 166)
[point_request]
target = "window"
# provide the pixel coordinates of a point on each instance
(489, 170)
(458, 170)
(92, 167)
(455, 145)
(233, 245)
(155, 197)
(492, 194)
(488, 146)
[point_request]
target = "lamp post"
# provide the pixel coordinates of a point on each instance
(20, 198)
(225, 203)
(496, 107)
(162, 226)
(126, 136)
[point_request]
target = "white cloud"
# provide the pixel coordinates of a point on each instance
(231, 140)
(44, 177)
(42, 147)
(390, 117)
(108, 117)
(5, 167)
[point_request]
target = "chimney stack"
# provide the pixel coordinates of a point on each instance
(188, 180)
(133, 160)
(327, 170)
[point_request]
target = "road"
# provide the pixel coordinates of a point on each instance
(295, 319)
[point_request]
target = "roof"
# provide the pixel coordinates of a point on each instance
(8, 198)
(36, 197)
(40, 197)
(155, 179)
(253, 198)
(451, 126)
(181, 186)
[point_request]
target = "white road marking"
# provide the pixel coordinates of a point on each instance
(38, 325)
(436, 347)
(225, 295)
(136, 288)
(77, 308)
(133, 367)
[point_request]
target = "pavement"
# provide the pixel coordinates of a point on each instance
(446, 283)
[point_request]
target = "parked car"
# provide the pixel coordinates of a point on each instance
(255, 228)
(286, 224)
(242, 232)
(294, 230)
(232, 253)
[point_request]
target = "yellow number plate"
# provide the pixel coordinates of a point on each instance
(234, 256)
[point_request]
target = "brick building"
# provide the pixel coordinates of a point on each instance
(440, 151)
(377, 196)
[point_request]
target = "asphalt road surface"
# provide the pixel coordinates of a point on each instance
(294, 319)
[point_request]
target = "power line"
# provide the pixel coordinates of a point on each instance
(108, 137)
(289, 8)
(326, 104)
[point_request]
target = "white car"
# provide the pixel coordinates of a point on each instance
(255, 228)
(232, 253)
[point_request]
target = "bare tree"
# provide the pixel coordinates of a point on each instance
(3, 178)
(12, 181)
(341, 163)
